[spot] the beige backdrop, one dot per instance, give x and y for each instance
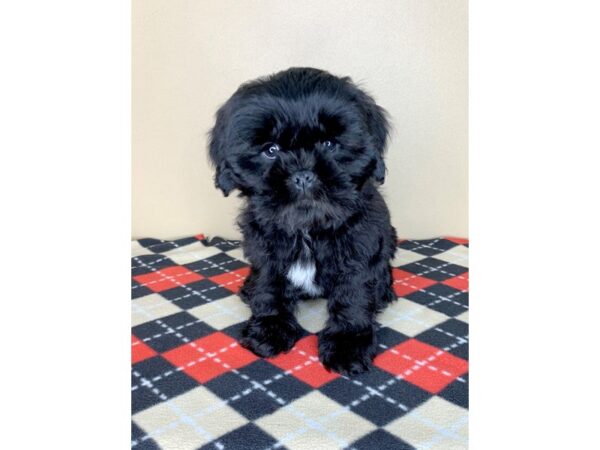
(190, 55)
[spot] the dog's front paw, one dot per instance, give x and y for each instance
(269, 336)
(347, 353)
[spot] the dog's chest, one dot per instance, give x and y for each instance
(302, 272)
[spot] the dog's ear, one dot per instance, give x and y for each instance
(379, 171)
(217, 151)
(378, 127)
(379, 130)
(224, 179)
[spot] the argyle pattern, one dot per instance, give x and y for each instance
(194, 387)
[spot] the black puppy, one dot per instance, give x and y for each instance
(305, 150)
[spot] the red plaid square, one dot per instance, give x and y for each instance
(210, 356)
(140, 351)
(303, 363)
(456, 240)
(423, 365)
(460, 282)
(232, 280)
(167, 278)
(406, 283)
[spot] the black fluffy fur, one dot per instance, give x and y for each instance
(341, 223)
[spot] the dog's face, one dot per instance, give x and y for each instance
(302, 144)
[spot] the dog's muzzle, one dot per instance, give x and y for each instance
(304, 180)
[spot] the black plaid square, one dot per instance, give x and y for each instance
(381, 439)
(216, 265)
(451, 336)
(172, 331)
(434, 269)
(247, 437)
(195, 294)
(235, 330)
(457, 392)
(427, 247)
(140, 440)
(154, 381)
(160, 246)
(259, 389)
(223, 244)
(138, 290)
(442, 298)
(375, 396)
(144, 264)
(387, 338)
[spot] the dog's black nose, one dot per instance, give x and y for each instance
(303, 179)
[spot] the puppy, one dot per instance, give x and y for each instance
(305, 150)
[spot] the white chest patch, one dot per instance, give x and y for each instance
(302, 275)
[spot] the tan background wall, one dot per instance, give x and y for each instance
(190, 55)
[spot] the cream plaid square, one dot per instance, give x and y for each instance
(151, 307)
(315, 422)
(312, 314)
(189, 420)
(437, 424)
(404, 257)
(222, 313)
(137, 249)
(238, 254)
(456, 255)
(464, 317)
(409, 318)
(191, 253)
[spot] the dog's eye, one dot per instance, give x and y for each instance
(271, 151)
(328, 144)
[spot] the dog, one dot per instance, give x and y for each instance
(305, 149)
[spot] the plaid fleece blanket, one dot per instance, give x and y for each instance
(194, 387)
